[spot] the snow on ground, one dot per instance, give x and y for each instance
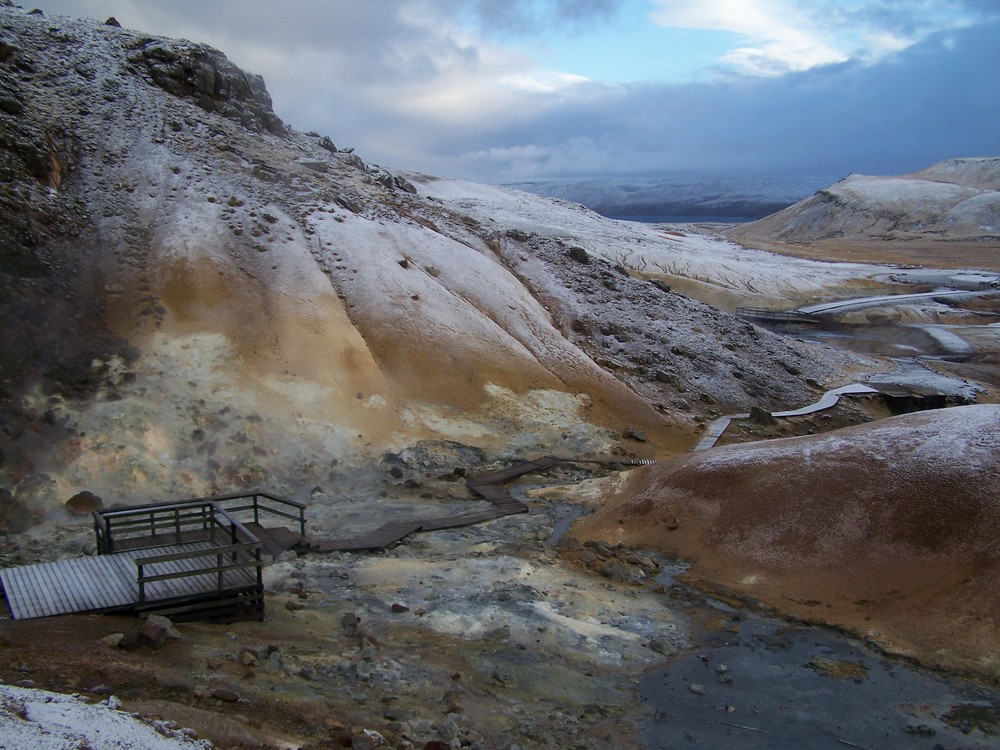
(653, 250)
(39, 720)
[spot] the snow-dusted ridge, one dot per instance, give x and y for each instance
(237, 303)
(955, 200)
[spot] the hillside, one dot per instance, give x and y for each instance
(888, 528)
(950, 212)
(198, 298)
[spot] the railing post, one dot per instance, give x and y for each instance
(256, 514)
(177, 525)
(142, 585)
(218, 562)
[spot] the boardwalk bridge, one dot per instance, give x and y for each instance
(203, 558)
(194, 559)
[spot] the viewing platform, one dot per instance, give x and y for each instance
(194, 559)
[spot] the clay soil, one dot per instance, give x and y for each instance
(862, 533)
(916, 252)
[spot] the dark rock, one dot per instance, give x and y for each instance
(435, 455)
(633, 434)
(326, 143)
(156, 630)
(226, 696)
(350, 621)
(400, 608)
(10, 105)
(207, 77)
(663, 646)
(113, 22)
(293, 605)
(14, 517)
(351, 205)
(761, 416)
(617, 571)
(403, 184)
(7, 50)
(579, 255)
(84, 503)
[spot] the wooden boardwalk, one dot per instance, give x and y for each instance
(486, 485)
(829, 399)
(105, 583)
(195, 559)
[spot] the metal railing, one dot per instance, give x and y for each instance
(160, 524)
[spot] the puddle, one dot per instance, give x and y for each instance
(755, 682)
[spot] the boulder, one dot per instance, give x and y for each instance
(156, 630)
(761, 416)
(84, 503)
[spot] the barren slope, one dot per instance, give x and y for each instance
(888, 528)
(197, 298)
(947, 215)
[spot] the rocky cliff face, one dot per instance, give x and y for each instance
(197, 298)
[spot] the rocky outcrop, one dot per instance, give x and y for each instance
(207, 77)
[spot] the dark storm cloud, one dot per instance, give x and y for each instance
(413, 86)
(938, 99)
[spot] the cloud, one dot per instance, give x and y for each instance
(451, 87)
(782, 36)
(934, 100)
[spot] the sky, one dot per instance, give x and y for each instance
(508, 90)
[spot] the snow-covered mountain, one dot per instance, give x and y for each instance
(953, 201)
(197, 298)
(679, 198)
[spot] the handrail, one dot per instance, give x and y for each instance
(102, 533)
(225, 550)
(140, 518)
(219, 569)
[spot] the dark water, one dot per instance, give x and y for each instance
(753, 682)
(684, 219)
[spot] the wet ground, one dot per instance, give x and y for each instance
(755, 682)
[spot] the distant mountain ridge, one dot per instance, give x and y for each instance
(957, 200)
(736, 197)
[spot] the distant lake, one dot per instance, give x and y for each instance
(685, 219)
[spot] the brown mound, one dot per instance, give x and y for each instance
(889, 529)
